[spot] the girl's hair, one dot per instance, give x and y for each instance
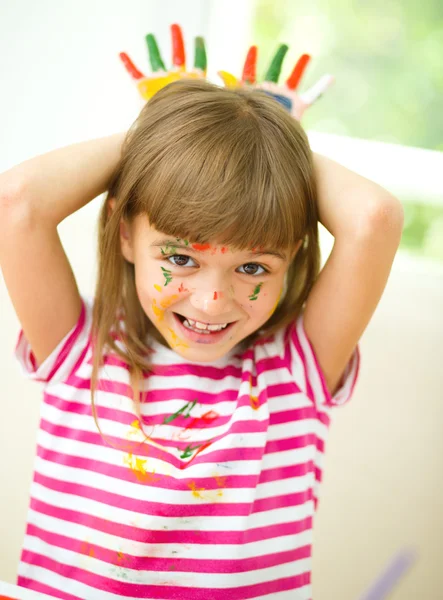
(205, 164)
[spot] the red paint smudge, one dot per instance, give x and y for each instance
(201, 247)
(223, 249)
(182, 288)
(215, 295)
(206, 418)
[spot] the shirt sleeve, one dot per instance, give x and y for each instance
(302, 362)
(65, 358)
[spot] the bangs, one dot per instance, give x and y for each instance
(231, 168)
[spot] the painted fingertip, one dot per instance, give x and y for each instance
(229, 80)
(178, 47)
(130, 67)
(317, 90)
(274, 70)
(297, 73)
(154, 54)
(250, 67)
(200, 61)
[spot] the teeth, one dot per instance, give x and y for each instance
(202, 327)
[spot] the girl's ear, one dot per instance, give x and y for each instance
(296, 249)
(111, 206)
(125, 234)
(126, 241)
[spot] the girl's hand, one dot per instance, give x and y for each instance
(150, 85)
(285, 94)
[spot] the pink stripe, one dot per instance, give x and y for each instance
(69, 342)
(326, 393)
(299, 350)
(123, 473)
(221, 455)
(301, 441)
(177, 536)
(167, 591)
(279, 473)
(36, 586)
(156, 563)
(292, 416)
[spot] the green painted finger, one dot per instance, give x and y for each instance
(275, 67)
(200, 54)
(154, 54)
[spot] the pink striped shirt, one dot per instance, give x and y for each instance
(216, 504)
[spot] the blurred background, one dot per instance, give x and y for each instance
(62, 82)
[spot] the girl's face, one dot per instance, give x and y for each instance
(184, 288)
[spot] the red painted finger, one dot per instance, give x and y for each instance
(178, 47)
(297, 73)
(130, 67)
(250, 67)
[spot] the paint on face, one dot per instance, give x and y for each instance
(165, 303)
(169, 248)
(182, 288)
(167, 274)
(256, 291)
(176, 342)
(201, 247)
(157, 287)
(276, 303)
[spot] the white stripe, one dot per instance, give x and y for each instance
(214, 551)
(197, 580)
(147, 493)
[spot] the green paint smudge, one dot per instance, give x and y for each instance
(256, 291)
(168, 275)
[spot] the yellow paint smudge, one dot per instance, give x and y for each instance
(276, 303)
(195, 490)
(176, 341)
(166, 302)
(157, 287)
(255, 403)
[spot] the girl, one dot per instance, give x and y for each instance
(186, 405)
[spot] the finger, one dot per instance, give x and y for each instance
(297, 73)
(154, 54)
(229, 80)
(317, 90)
(275, 67)
(178, 48)
(130, 67)
(200, 61)
(250, 67)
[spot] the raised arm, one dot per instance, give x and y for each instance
(35, 197)
(366, 222)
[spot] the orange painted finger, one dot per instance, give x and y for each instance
(250, 67)
(297, 73)
(178, 47)
(130, 67)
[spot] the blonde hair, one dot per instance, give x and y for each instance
(205, 163)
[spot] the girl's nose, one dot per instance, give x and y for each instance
(212, 302)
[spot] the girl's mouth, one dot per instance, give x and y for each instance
(200, 336)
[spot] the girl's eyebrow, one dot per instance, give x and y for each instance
(172, 244)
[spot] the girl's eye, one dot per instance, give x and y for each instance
(254, 266)
(182, 259)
